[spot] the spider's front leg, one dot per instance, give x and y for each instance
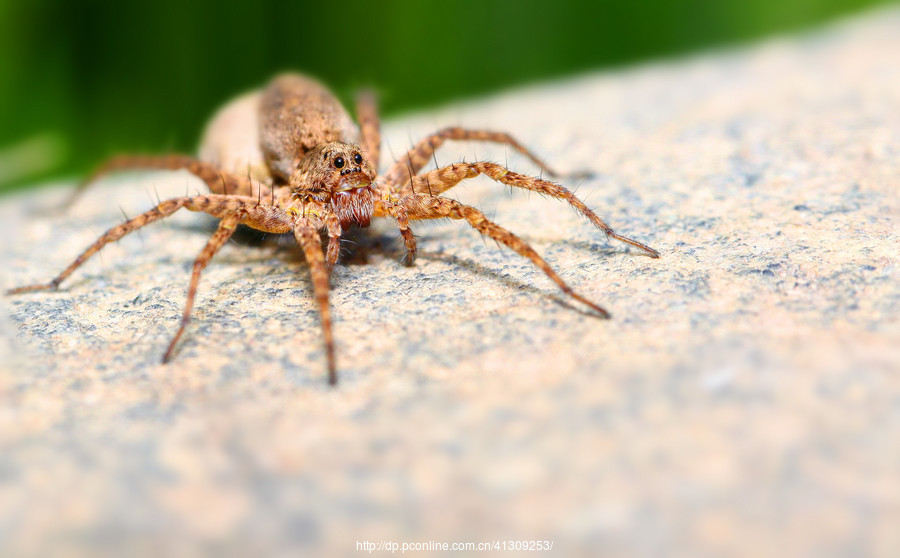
(232, 211)
(440, 180)
(225, 230)
(334, 230)
(307, 236)
(424, 206)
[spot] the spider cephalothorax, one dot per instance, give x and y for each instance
(339, 175)
(312, 170)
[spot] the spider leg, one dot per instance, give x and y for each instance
(414, 160)
(333, 226)
(442, 179)
(231, 209)
(408, 237)
(263, 217)
(367, 115)
(308, 238)
(218, 182)
(226, 228)
(424, 206)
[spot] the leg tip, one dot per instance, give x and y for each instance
(604, 315)
(167, 357)
(409, 260)
(601, 312)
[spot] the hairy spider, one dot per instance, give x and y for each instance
(310, 169)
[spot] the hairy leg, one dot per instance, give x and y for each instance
(333, 226)
(408, 237)
(263, 217)
(226, 228)
(423, 206)
(414, 160)
(218, 182)
(440, 180)
(308, 238)
(367, 115)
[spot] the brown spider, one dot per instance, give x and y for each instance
(312, 170)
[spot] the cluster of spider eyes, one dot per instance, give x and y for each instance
(339, 161)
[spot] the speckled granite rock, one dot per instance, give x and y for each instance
(743, 401)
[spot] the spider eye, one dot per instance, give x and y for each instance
(357, 159)
(338, 162)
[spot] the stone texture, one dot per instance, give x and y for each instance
(744, 400)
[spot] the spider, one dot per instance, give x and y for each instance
(310, 169)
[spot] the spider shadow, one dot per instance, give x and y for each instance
(607, 249)
(359, 244)
(393, 247)
(355, 249)
(513, 284)
(243, 236)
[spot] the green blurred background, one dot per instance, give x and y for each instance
(80, 81)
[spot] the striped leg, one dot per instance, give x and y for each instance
(418, 157)
(308, 238)
(226, 228)
(440, 180)
(333, 226)
(408, 237)
(231, 210)
(263, 217)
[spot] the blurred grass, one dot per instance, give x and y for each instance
(98, 78)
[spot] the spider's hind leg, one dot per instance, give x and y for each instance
(414, 160)
(370, 129)
(217, 181)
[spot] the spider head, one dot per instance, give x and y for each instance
(330, 168)
(338, 173)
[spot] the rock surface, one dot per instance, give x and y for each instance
(744, 400)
